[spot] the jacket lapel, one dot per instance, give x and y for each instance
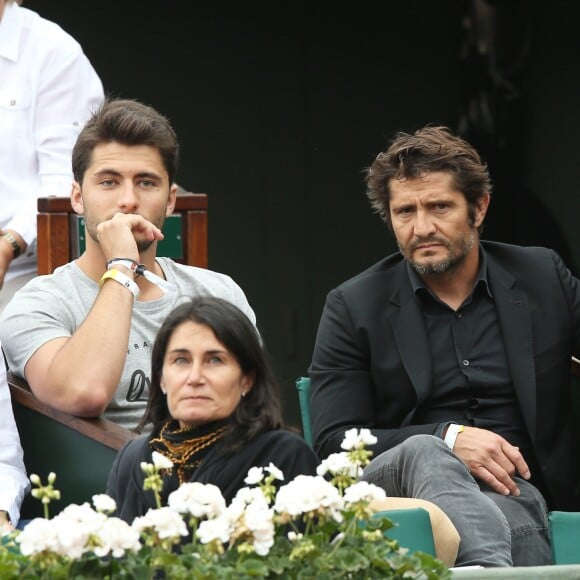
(516, 326)
(411, 337)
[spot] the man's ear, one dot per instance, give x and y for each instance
(76, 198)
(171, 200)
(481, 208)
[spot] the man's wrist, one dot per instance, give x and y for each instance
(451, 434)
(123, 279)
(15, 244)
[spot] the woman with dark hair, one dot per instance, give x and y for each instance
(213, 409)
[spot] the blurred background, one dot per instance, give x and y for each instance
(280, 106)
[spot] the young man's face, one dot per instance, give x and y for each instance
(128, 179)
(431, 222)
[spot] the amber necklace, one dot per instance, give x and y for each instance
(181, 453)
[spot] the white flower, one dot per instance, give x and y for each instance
(339, 464)
(245, 497)
(104, 503)
(354, 439)
(259, 520)
(255, 475)
(160, 461)
(116, 537)
(307, 493)
(248, 495)
(277, 473)
(37, 536)
(367, 437)
(251, 520)
(201, 500)
(75, 527)
(216, 529)
(363, 491)
(165, 522)
(71, 533)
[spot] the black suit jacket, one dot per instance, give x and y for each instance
(371, 365)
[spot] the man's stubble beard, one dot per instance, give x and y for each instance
(452, 262)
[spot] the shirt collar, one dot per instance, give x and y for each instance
(10, 31)
(481, 280)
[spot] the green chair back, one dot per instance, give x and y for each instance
(303, 387)
(412, 529)
(170, 246)
(565, 535)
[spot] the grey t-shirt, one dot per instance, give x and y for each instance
(54, 306)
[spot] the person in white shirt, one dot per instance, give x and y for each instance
(48, 88)
(14, 482)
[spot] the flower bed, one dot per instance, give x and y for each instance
(312, 527)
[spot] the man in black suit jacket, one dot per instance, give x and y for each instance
(456, 354)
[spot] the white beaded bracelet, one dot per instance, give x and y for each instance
(452, 431)
(124, 280)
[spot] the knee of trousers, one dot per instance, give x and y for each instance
(425, 446)
(419, 454)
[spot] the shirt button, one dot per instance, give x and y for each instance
(465, 363)
(459, 315)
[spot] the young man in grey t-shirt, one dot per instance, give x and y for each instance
(82, 336)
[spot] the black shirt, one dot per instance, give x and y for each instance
(472, 383)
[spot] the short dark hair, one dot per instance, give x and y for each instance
(432, 148)
(128, 122)
(260, 409)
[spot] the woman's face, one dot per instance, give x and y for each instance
(202, 380)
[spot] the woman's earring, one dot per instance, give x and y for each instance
(163, 391)
(243, 394)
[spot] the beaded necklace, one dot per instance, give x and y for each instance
(184, 451)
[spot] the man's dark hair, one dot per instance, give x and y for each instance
(127, 122)
(432, 148)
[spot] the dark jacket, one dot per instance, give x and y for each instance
(371, 365)
(286, 450)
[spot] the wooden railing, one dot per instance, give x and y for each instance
(101, 430)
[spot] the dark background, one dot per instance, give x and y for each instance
(280, 106)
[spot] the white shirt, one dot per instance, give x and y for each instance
(14, 482)
(48, 88)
